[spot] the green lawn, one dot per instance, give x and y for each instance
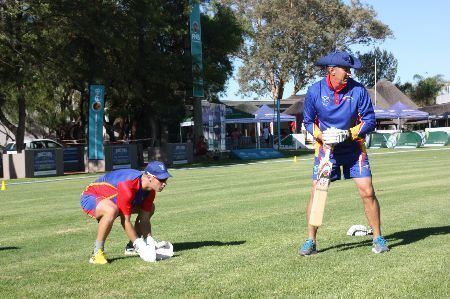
(236, 231)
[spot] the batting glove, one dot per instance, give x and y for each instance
(164, 250)
(334, 136)
(147, 253)
(150, 241)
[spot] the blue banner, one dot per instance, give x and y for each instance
(196, 50)
(96, 108)
(254, 154)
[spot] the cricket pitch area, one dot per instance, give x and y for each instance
(236, 231)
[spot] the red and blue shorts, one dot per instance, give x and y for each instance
(352, 165)
(95, 193)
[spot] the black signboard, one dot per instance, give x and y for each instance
(44, 162)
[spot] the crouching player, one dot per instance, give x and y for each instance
(122, 193)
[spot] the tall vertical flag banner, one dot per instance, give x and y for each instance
(196, 49)
(96, 110)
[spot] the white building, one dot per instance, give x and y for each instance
(444, 94)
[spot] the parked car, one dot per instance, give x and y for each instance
(32, 144)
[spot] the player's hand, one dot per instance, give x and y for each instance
(150, 241)
(147, 253)
(334, 136)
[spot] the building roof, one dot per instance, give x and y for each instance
(392, 94)
(381, 101)
(438, 110)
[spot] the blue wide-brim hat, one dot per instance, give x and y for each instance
(339, 58)
(158, 169)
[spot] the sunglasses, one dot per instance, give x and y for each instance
(159, 180)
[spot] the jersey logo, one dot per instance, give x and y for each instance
(347, 98)
(325, 100)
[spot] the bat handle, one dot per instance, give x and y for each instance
(327, 149)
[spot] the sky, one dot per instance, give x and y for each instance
(421, 42)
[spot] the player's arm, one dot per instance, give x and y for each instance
(367, 117)
(145, 214)
(145, 224)
(310, 117)
(124, 198)
(128, 227)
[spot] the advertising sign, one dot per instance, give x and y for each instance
(44, 162)
(196, 50)
(179, 154)
(96, 110)
(121, 157)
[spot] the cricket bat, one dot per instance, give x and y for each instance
(321, 190)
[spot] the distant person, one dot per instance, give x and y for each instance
(266, 135)
(340, 102)
(235, 137)
(202, 146)
(293, 126)
(122, 193)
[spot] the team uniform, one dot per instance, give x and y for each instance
(123, 187)
(347, 108)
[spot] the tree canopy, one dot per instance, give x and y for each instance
(425, 90)
(386, 66)
(52, 50)
(285, 38)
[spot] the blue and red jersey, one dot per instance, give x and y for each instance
(348, 108)
(124, 188)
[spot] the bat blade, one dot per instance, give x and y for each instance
(321, 192)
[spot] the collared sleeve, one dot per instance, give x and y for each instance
(367, 122)
(310, 115)
(126, 193)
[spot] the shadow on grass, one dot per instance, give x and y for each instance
(112, 260)
(177, 247)
(193, 245)
(210, 162)
(397, 239)
(9, 248)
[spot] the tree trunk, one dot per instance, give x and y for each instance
(81, 132)
(20, 132)
(154, 132)
(198, 119)
(164, 135)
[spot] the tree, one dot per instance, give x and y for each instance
(50, 51)
(20, 63)
(406, 87)
(285, 38)
(425, 90)
(386, 66)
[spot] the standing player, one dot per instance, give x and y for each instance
(340, 102)
(122, 193)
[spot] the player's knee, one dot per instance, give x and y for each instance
(109, 212)
(367, 194)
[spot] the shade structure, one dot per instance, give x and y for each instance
(267, 114)
(236, 116)
(406, 112)
(380, 113)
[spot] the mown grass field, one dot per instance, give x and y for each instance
(236, 231)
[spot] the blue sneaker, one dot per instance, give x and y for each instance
(379, 245)
(308, 248)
